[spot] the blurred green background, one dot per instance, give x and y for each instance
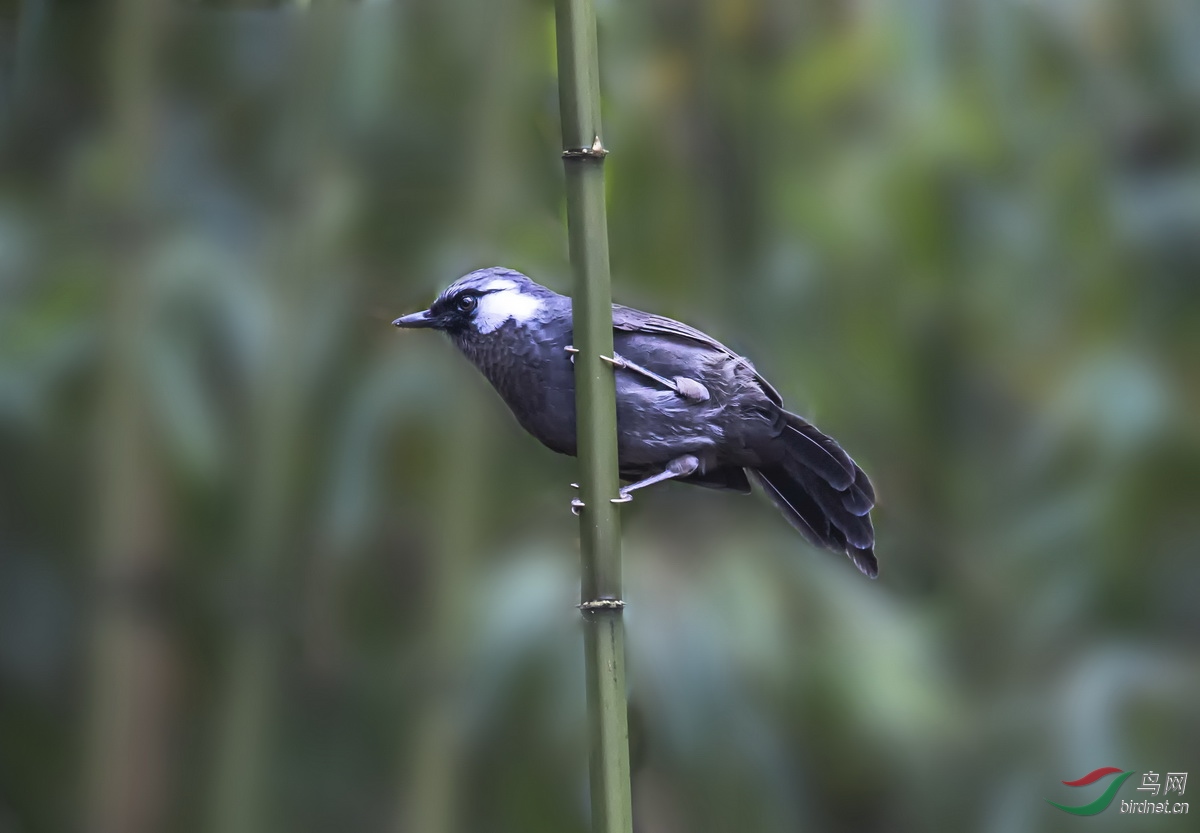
(267, 564)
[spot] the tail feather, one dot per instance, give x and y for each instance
(822, 493)
(820, 453)
(800, 509)
(860, 497)
(857, 528)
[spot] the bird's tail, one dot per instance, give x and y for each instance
(822, 492)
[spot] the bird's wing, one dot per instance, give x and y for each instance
(633, 320)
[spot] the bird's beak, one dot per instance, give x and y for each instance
(416, 321)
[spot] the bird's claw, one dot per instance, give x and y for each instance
(615, 361)
(571, 351)
(577, 505)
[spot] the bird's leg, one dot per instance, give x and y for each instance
(682, 386)
(679, 467)
(621, 363)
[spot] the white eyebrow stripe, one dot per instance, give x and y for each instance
(500, 306)
(499, 285)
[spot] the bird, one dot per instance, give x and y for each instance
(688, 407)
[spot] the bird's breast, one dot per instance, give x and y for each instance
(533, 374)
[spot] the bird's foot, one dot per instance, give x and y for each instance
(615, 361)
(577, 505)
(571, 351)
(679, 467)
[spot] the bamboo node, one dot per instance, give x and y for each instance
(596, 151)
(601, 604)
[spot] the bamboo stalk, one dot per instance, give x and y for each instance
(240, 799)
(127, 756)
(432, 795)
(596, 421)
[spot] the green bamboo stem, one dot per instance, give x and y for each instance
(596, 425)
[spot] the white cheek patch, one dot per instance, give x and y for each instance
(508, 304)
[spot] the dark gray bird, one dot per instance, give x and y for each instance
(688, 407)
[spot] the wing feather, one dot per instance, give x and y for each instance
(630, 320)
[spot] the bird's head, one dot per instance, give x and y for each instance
(481, 303)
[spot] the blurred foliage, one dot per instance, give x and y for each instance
(266, 564)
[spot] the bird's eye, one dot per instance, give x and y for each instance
(467, 303)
